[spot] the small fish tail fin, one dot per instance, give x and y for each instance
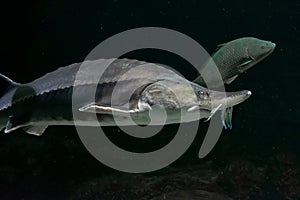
(6, 84)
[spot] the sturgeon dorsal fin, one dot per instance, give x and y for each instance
(35, 130)
(23, 92)
(13, 124)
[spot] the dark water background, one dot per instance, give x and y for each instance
(257, 159)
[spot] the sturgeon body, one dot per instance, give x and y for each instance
(234, 58)
(126, 90)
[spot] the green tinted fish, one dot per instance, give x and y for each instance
(235, 57)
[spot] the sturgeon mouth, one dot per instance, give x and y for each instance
(224, 101)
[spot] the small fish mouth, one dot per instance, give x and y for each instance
(268, 51)
(270, 48)
(273, 45)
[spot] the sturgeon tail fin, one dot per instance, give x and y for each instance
(6, 84)
(12, 92)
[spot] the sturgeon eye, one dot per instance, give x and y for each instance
(263, 46)
(203, 95)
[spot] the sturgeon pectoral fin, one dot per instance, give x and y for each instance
(226, 117)
(9, 129)
(35, 130)
(13, 124)
(94, 108)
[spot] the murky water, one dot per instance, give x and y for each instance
(257, 159)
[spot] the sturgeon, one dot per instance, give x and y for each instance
(128, 89)
(235, 57)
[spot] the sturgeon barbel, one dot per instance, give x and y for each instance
(235, 57)
(127, 88)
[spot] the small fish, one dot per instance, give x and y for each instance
(235, 57)
(128, 89)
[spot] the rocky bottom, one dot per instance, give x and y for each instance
(239, 179)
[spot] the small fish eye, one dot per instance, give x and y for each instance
(263, 46)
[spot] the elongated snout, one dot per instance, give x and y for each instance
(224, 99)
(228, 99)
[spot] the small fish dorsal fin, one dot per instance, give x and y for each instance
(218, 48)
